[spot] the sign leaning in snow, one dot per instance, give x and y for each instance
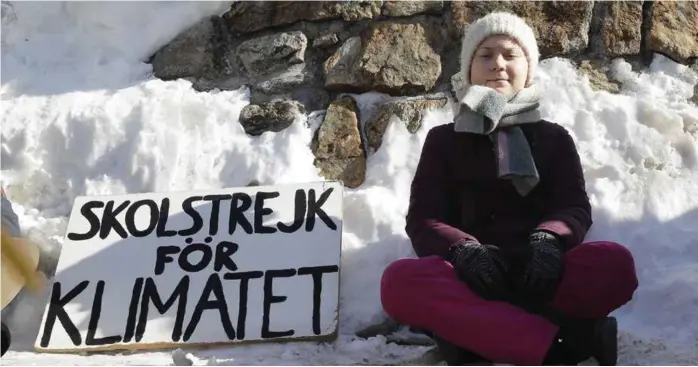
(227, 266)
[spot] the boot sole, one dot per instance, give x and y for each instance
(608, 353)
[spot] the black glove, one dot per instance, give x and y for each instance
(481, 267)
(544, 270)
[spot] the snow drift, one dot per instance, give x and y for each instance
(82, 115)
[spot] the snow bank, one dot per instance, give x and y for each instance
(639, 154)
(83, 116)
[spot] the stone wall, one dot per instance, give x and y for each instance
(300, 56)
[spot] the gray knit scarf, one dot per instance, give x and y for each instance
(485, 111)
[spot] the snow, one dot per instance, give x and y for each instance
(82, 115)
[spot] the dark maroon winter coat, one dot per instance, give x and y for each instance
(456, 194)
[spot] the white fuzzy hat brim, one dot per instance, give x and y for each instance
(499, 23)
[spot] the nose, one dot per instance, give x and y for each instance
(498, 63)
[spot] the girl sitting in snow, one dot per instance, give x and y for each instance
(497, 217)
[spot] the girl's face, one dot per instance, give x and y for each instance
(500, 63)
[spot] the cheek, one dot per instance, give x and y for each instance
(519, 71)
(477, 72)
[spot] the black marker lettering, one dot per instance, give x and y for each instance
(244, 286)
(195, 216)
(240, 203)
(317, 272)
(131, 218)
(56, 310)
(150, 293)
(299, 209)
(109, 220)
(224, 250)
(187, 265)
(315, 207)
(86, 211)
(213, 285)
(133, 310)
(260, 211)
(162, 257)
(94, 320)
(215, 209)
(162, 220)
(270, 298)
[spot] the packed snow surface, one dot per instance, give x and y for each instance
(82, 115)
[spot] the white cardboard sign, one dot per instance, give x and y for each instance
(161, 269)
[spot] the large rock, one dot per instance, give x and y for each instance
(621, 28)
(388, 57)
(674, 29)
(409, 111)
(190, 54)
(340, 69)
(271, 116)
(408, 8)
(285, 80)
(326, 40)
(338, 150)
(598, 76)
(266, 54)
(288, 71)
(561, 27)
(251, 16)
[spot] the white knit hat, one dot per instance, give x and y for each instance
(499, 23)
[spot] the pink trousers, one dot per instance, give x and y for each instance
(426, 293)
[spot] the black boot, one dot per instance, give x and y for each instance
(5, 339)
(454, 355)
(578, 340)
(605, 349)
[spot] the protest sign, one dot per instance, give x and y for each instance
(157, 270)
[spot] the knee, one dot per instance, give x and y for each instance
(619, 265)
(621, 259)
(398, 269)
(393, 280)
(400, 281)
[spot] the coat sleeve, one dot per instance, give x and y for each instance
(427, 213)
(568, 212)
